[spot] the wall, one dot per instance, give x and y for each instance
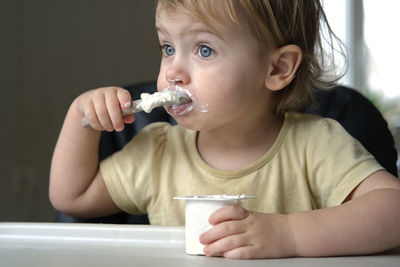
(51, 51)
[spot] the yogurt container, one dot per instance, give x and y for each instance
(197, 211)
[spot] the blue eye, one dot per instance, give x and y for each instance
(168, 50)
(205, 51)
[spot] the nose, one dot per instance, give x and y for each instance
(177, 72)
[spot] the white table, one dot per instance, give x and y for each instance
(59, 244)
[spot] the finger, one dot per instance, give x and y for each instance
(124, 98)
(129, 118)
(222, 230)
(100, 106)
(222, 246)
(227, 213)
(244, 252)
(114, 110)
(90, 114)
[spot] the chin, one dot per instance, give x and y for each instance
(187, 122)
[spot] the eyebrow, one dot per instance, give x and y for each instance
(195, 29)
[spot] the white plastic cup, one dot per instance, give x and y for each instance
(197, 212)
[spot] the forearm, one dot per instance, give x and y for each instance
(367, 224)
(75, 160)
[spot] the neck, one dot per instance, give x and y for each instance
(239, 145)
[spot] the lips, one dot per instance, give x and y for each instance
(180, 109)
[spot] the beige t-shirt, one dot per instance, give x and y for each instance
(314, 163)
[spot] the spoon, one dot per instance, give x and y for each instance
(150, 101)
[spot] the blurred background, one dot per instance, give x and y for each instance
(53, 50)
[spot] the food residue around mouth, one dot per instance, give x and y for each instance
(178, 109)
(150, 101)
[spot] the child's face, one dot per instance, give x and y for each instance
(221, 69)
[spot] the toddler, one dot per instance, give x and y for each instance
(248, 66)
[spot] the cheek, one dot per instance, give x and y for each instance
(219, 98)
(235, 83)
(235, 90)
(161, 80)
(219, 85)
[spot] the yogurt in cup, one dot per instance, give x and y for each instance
(197, 211)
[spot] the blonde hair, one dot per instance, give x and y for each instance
(276, 23)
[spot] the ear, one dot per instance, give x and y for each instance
(283, 66)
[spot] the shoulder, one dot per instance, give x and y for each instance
(160, 133)
(155, 127)
(316, 135)
(163, 128)
(155, 130)
(154, 142)
(312, 124)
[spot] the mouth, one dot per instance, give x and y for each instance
(182, 108)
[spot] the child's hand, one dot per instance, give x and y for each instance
(102, 108)
(238, 233)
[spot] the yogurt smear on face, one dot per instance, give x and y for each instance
(179, 109)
